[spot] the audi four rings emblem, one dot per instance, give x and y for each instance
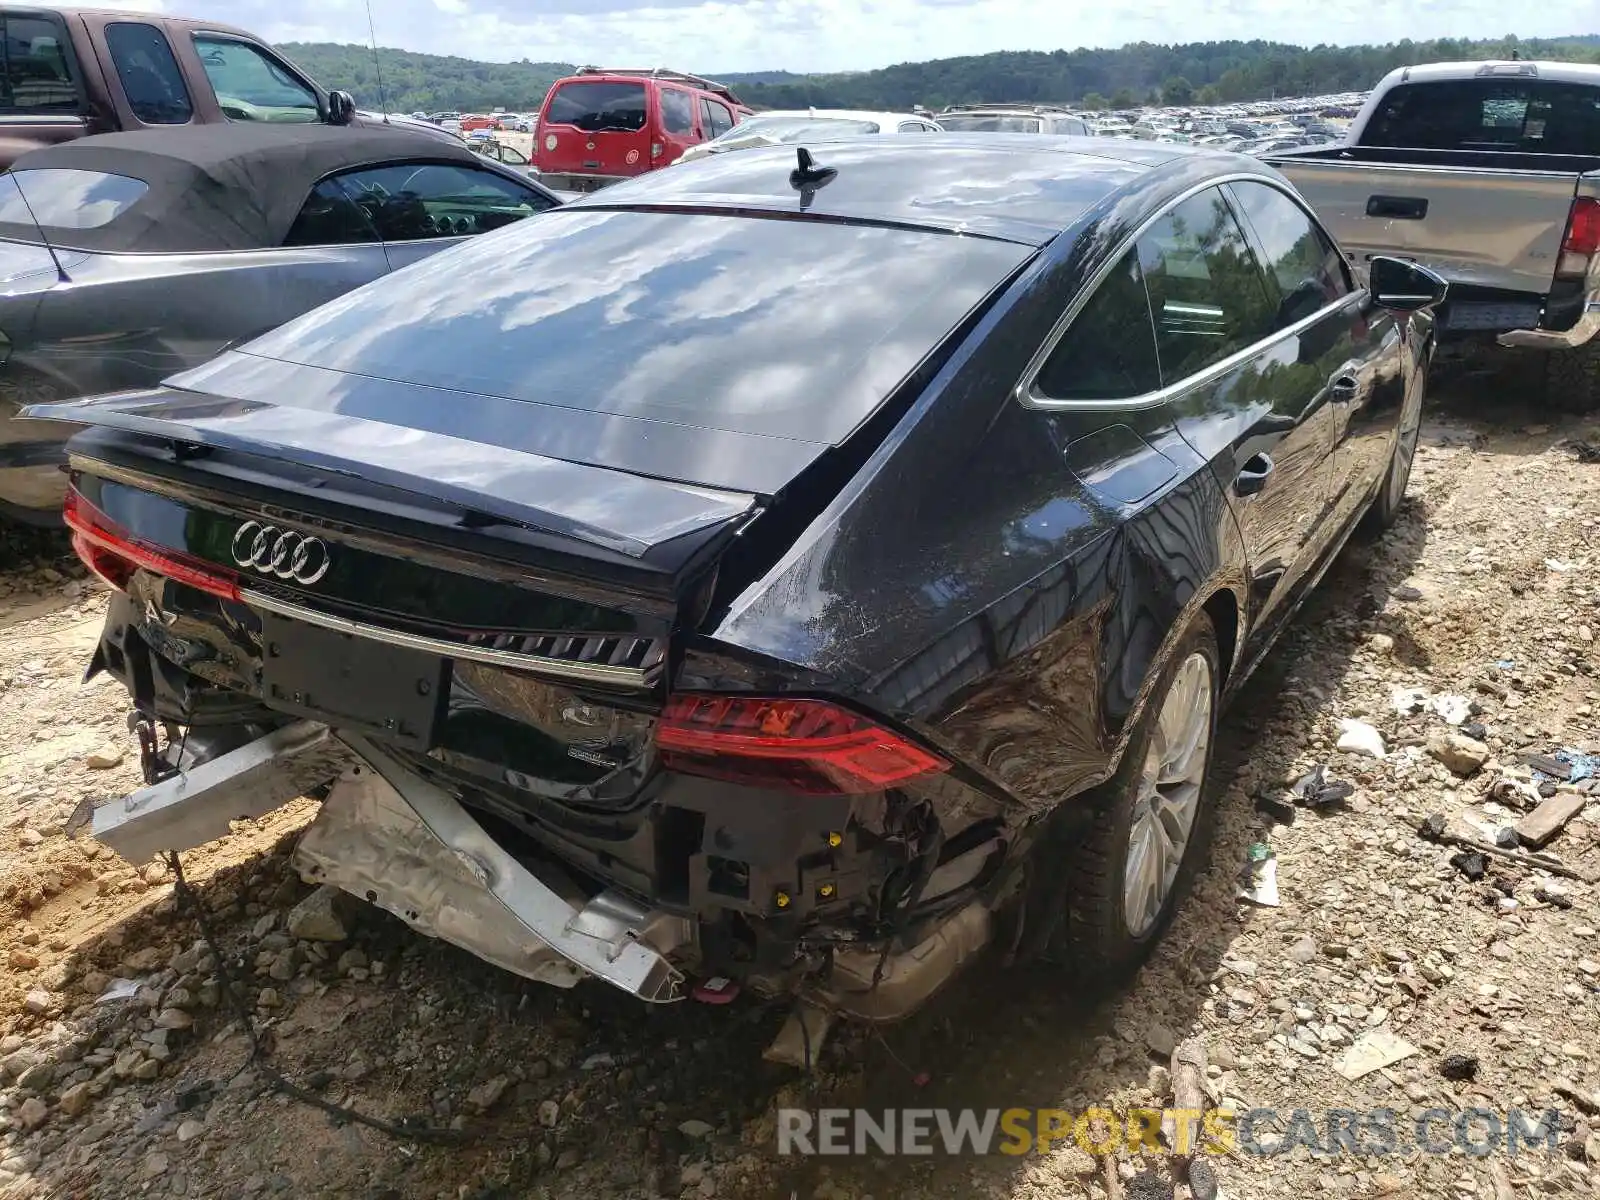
(280, 552)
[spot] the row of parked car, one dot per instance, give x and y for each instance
(795, 571)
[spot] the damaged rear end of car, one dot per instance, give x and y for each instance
(446, 554)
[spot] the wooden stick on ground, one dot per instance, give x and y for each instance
(1188, 1095)
(1542, 861)
(1113, 1181)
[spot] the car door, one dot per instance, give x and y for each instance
(1352, 349)
(419, 208)
(1243, 397)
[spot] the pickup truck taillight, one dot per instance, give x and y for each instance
(807, 746)
(1582, 239)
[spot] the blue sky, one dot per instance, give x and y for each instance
(842, 35)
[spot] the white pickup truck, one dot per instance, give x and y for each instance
(1488, 172)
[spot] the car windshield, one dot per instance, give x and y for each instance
(598, 106)
(991, 124)
(794, 129)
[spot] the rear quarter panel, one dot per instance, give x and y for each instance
(1007, 579)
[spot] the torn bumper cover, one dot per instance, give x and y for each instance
(399, 842)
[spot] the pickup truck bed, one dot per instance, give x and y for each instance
(1489, 173)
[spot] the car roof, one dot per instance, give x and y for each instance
(1500, 69)
(836, 114)
(1019, 187)
(221, 187)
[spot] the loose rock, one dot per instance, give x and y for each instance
(317, 918)
(1459, 753)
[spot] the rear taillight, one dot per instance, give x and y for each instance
(114, 554)
(1582, 239)
(806, 746)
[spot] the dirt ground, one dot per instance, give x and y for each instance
(1485, 590)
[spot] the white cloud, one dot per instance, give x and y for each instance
(824, 35)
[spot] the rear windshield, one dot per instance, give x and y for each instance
(991, 124)
(70, 199)
(596, 107)
(790, 329)
(1535, 115)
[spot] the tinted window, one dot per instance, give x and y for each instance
(150, 77)
(1208, 296)
(794, 329)
(1299, 258)
(718, 120)
(677, 110)
(67, 199)
(598, 106)
(432, 200)
(330, 218)
(35, 75)
(251, 85)
(1109, 351)
(1488, 114)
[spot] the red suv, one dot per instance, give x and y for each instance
(602, 125)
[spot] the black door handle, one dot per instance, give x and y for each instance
(1345, 388)
(1254, 476)
(1403, 208)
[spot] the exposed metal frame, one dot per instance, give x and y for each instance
(1027, 393)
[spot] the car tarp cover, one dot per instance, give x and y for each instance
(216, 187)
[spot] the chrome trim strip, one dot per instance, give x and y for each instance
(1029, 397)
(601, 673)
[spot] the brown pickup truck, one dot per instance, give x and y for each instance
(69, 72)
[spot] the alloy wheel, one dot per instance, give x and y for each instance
(1168, 797)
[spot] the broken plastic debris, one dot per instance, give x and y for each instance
(1357, 737)
(1452, 708)
(119, 989)
(1449, 707)
(1470, 863)
(1582, 766)
(1371, 1051)
(1315, 790)
(1556, 564)
(1258, 882)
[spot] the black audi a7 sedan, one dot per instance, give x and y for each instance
(791, 571)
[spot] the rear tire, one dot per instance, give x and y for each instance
(1572, 379)
(1116, 911)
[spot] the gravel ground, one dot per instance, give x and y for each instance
(1485, 590)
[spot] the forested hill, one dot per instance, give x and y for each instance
(1200, 72)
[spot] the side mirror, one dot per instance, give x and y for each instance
(1404, 286)
(341, 108)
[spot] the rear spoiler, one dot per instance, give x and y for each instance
(627, 514)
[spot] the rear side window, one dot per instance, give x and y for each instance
(1525, 114)
(149, 74)
(330, 217)
(71, 199)
(1109, 351)
(718, 120)
(34, 76)
(1207, 295)
(412, 201)
(677, 110)
(253, 86)
(598, 106)
(1309, 272)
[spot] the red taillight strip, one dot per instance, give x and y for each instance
(798, 745)
(1583, 227)
(96, 535)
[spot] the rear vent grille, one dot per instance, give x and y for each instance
(640, 654)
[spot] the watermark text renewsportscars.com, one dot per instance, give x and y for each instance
(1477, 1132)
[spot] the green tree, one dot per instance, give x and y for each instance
(1095, 102)
(1177, 90)
(1123, 98)
(1208, 95)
